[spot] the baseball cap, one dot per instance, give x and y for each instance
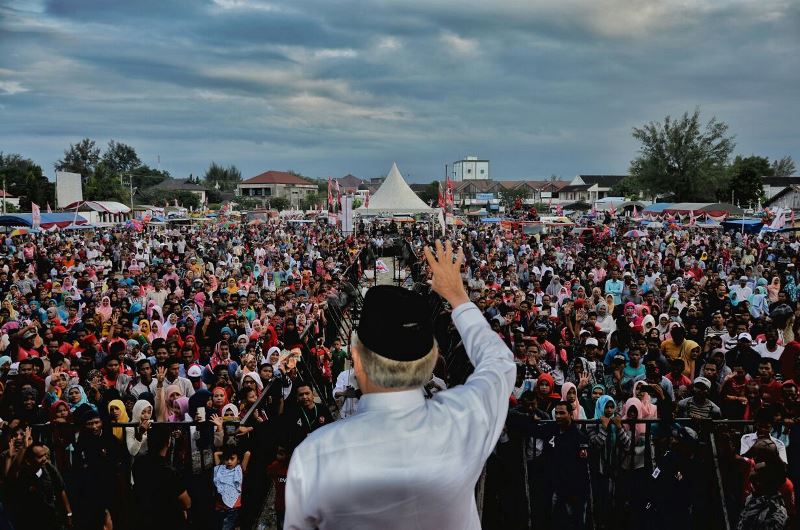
(744, 336)
(194, 371)
(703, 381)
(742, 278)
(619, 357)
(591, 341)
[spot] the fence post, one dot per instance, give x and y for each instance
(715, 456)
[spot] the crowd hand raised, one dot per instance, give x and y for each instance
(445, 266)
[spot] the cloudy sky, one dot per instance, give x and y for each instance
(329, 87)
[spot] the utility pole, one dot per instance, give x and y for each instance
(4, 195)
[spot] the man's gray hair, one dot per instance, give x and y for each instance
(388, 373)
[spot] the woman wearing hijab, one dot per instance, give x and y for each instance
(773, 289)
(104, 309)
(604, 318)
(569, 393)
(136, 437)
(636, 461)
(649, 410)
(76, 397)
(605, 441)
(690, 353)
(118, 414)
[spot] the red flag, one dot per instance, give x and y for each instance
(441, 201)
(36, 216)
(449, 199)
(366, 200)
(330, 193)
(338, 196)
(48, 208)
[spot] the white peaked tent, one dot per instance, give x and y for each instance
(395, 196)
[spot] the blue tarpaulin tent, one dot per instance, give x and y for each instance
(749, 226)
(48, 219)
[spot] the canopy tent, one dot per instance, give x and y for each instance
(721, 208)
(749, 226)
(395, 195)
(49, 220)
(657, 207)
(714, 209)
(111, 207)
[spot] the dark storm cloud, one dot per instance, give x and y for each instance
(327, 88)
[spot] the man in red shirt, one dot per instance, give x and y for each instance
(771, 390)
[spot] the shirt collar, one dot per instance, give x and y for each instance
(386, 401)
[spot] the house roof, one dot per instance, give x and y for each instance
(603, 181)
(178, 185)
(350, 181)
(279, 177)
(6, 195)
(780, 181)
(575, 187)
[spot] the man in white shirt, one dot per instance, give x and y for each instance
(347, 391)
(742, 291)
(403, 461)
(769, 348)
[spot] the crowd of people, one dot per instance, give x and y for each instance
(164, 377)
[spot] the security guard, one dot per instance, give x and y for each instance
(403, 461)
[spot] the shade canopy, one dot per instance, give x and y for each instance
(395, 195)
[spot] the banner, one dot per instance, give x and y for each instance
(36, 216)
(347, 215)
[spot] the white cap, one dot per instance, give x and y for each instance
(591, 341)
(194, 371)
(743, 336)
(703, 381)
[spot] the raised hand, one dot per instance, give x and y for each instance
(445, 266)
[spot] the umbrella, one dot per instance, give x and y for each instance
(19, 232)
(636, 233)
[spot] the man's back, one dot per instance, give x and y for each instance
(403, 461)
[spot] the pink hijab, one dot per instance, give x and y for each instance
(640, 427)
(576, 409)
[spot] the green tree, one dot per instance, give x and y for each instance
(144, 176)
(357, 203)
(628, 187)
(310, 201)
(682, 157)
(745, 180)
(23, 178)
(227, 177)
(509, 196)
(105, 185)
(120, 158)
(279, 203)
(784, 167)
(82, 158)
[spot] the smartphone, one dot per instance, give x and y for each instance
(201, 414)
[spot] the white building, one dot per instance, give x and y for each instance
(471, 168)
(9, 199)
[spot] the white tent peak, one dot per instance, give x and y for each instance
(395, 195)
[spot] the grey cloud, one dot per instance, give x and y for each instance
(538, 87)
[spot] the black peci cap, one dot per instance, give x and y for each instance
(395, 323)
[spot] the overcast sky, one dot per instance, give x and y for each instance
(330, 87)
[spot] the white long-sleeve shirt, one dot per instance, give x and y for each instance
(403, 461)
